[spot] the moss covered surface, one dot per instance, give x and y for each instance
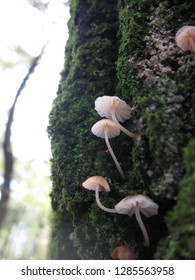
(124, 48)
(180, 243)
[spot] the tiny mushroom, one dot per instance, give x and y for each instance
(185, 38)
(122, 253)
(107, 129)
(134, 204)
(72, 236)
(112, 107)
(97, 184)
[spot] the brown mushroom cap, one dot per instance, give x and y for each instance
(122, 253)
(146, 205)
(104, 105)
(185, 38)
(99, 128)
(95, 182)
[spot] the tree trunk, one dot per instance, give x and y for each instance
(126, 48)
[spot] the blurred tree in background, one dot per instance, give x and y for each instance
(25, 217)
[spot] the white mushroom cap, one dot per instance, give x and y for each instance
(185, 38)
(116, 109)
(72, 236)
(133, 204)
(94, 182)
(104, 105)
(108, 129)
(99, 128)
(146, 205)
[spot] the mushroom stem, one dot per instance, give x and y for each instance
(141, 224)
(130, 134)
(109, 210)
(113, 155)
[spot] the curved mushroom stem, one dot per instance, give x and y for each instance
(192, 43)
(141, 224)
(100, 204)
(113, 155)
(130, 134)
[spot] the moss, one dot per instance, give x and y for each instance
(180, 243)
(90, 72)
(124, 48)
(61, 246)
(167, 114)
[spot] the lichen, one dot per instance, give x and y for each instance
(164, 58)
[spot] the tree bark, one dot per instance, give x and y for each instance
(125, 48)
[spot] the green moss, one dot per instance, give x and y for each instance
(167, 114)
(180, 243)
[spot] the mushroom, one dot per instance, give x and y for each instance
(185, 38)
(72, 236)
(112, 107)
(107, 129)
(122, 253)
(134, 204)
(97, 184)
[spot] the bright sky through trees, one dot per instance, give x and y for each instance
(24, 26)
(24, 31)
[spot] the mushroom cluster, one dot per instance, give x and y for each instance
(115, 110)
(132, 204)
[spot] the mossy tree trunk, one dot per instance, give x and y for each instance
(125, 48)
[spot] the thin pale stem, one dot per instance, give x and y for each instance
(109, 210)
(141, 224)
(130, 134)
(113, 156)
